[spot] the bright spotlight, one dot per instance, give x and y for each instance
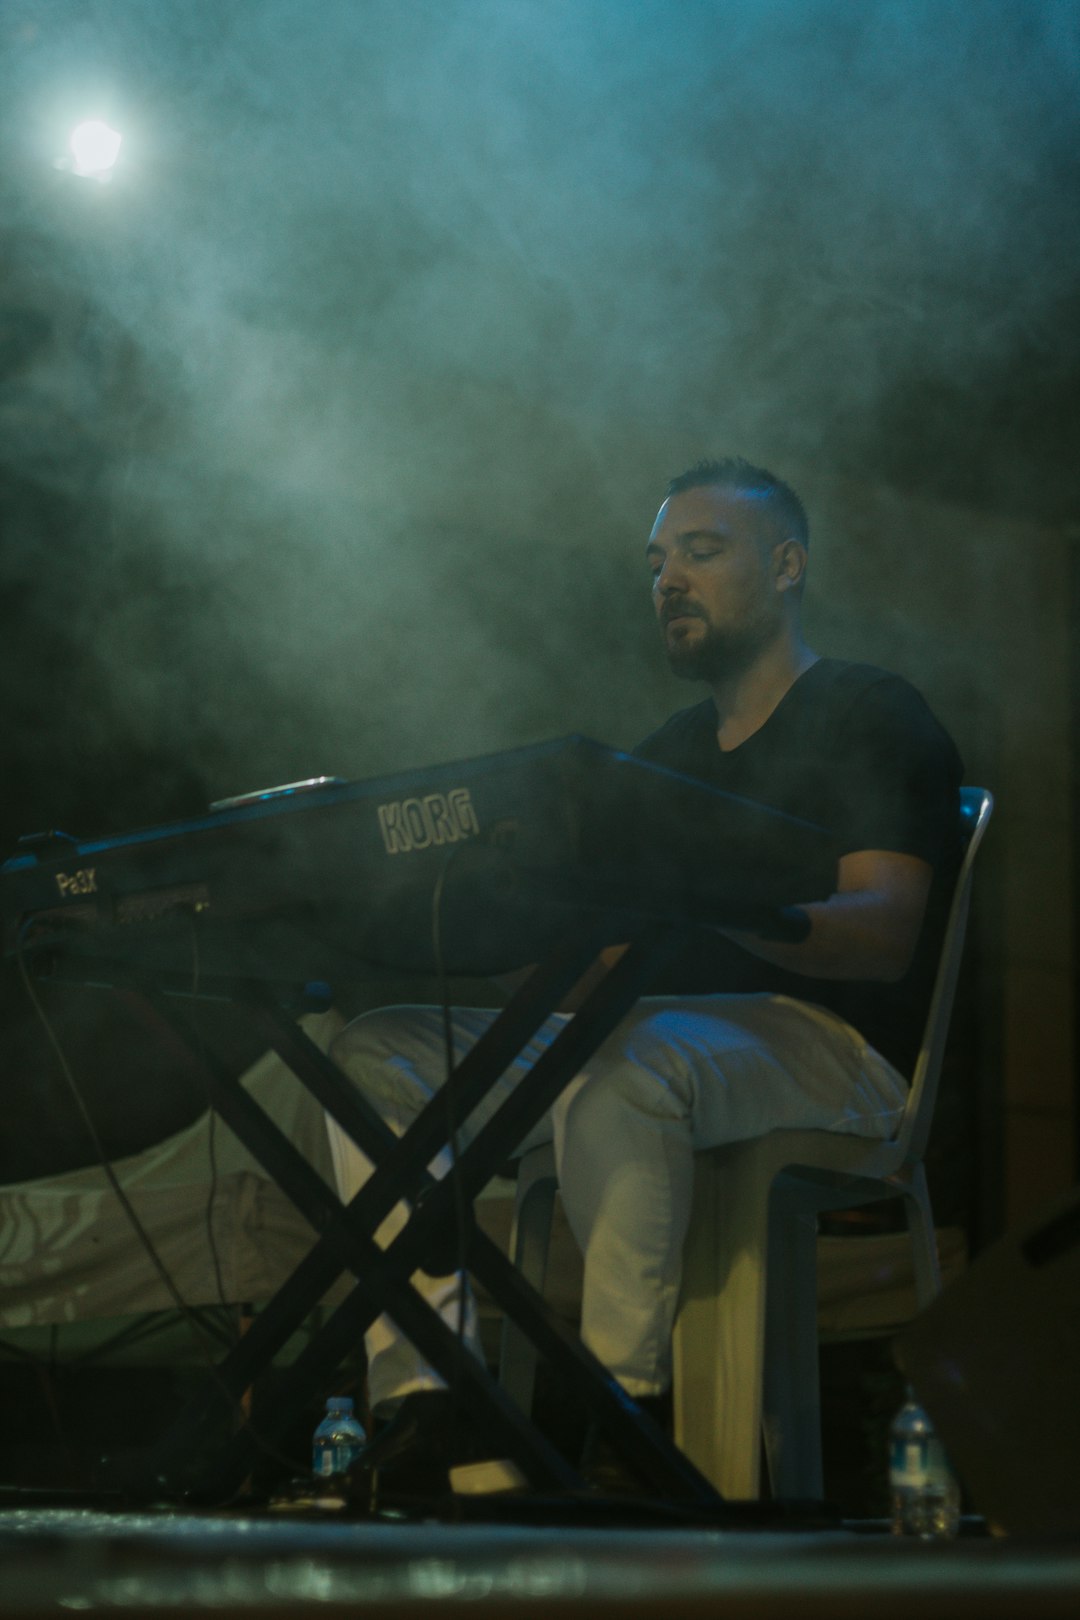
(94, 146)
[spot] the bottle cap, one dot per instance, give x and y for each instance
(340, 1403)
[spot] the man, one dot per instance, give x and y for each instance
(744, 1035)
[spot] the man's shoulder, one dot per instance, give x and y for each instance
(882, 720)
(854, 691)
(683, 730)
(848, 681)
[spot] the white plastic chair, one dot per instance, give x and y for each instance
(745, 1350)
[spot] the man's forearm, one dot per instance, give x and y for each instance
(852, 936)
(868, 929)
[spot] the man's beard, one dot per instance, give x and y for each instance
(718, 655)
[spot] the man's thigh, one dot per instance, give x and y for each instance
(733, 1066)
(741, 1065)
(398, 1057)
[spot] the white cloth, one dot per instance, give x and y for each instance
(68, 1252)
(676, 1075)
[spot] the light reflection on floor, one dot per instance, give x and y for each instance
(79, 1560)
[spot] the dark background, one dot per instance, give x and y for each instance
(331, 427)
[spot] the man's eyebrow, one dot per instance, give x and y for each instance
(689, 535)
(687, 538)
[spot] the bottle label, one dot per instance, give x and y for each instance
(916, 1464)
(335, 1457)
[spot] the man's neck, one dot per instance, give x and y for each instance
(744, 703)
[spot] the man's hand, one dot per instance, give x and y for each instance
(867, 930)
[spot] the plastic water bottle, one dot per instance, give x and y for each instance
(925, 1495)
(338, 1439)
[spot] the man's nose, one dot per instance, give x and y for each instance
(672, 577)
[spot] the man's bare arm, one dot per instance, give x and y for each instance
(867, 930)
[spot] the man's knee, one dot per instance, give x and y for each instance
(617, 1086)
(652, 1057)
(392, 1057)
(373, 1037)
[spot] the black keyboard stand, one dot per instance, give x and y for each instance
(191, 1461)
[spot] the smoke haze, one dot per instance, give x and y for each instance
(331, 429)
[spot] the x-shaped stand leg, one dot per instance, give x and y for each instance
(382, 1276)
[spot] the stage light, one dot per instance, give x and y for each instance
(94, 146)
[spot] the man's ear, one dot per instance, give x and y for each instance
(790, 564)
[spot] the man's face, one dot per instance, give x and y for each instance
(713, 553)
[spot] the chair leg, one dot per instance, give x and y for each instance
(720, 1324)
(530, 1240)
(924, 1255)
(791, 1417)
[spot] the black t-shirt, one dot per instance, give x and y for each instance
(857, 751)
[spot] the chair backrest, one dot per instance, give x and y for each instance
(976, 807)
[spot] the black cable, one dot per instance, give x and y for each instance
(211, 1199)
(199, 1336)
(461, 1232)
(450, 1067)
(98, 1145)
(211, 1132)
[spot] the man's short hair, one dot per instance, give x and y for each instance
(742, 477)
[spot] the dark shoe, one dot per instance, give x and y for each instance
(411, 1458)
(602, 1464)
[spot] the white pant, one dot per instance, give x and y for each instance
(675, 1076)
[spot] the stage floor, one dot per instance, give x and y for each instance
(163, 1563)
